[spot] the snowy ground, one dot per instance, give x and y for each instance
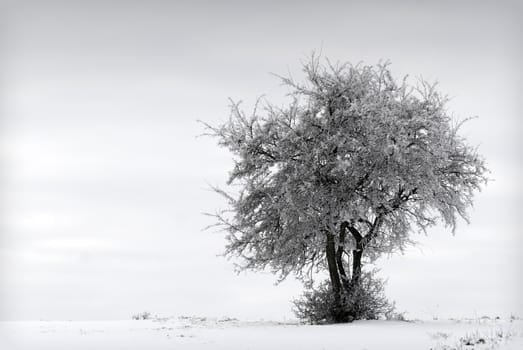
(202, 333)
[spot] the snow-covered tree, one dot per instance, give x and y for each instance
(347, 171)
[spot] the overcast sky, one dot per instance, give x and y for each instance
(104, 178)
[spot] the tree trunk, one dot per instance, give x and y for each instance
(356, 256)
(335, 279)
(331, 262)
(356, 264)
(361, 244)
(339, 257)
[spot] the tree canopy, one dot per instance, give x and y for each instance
(355, 163)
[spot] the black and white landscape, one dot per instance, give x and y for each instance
(108, 170)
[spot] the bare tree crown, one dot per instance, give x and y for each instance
(357, 159)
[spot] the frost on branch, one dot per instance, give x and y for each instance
(345, 173)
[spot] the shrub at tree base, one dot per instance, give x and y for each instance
(363, 301)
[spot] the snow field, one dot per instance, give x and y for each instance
(231, 334)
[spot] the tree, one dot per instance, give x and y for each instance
(345, 173)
